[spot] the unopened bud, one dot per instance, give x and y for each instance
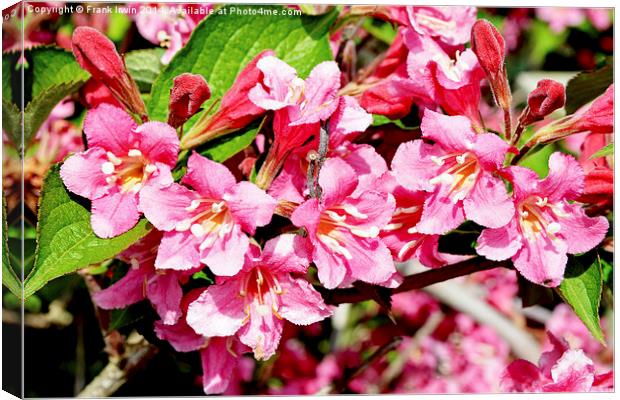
(548, 96)
(97, 55)
(188, 93)
(489, 46)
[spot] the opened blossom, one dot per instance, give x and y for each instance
(546, 224)
(209, 223)
(450, 25)
(143, 280)
(458, 171)
(122, 159)
(343, 228)
(254, 303)
(561, 369)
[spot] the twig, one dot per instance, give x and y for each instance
(56, 316)
(415, 281)
(507, 123)
(316, 160)
(137, 354)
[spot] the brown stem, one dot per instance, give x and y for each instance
(413, 282)
(507, 123)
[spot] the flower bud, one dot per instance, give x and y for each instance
(488, 45)
(188, 93)
(548, 96)
(97, 55)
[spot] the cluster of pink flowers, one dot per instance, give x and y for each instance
(355, 217)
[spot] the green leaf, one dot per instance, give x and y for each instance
(586, 86)
(66, 241)
(542, 41)
(381, 30)
(41, 106)
(9, 277)
(604, 152)
(8, 72)
(221, 149)
(223, 44)
(144, 66)
(118, 26)
(11, 121)
(53, 66)
(581, 289)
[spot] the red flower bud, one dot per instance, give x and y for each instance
(97, 55)
(548, 96)
(488, 45)
(188, 93)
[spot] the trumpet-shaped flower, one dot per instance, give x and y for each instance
(343, 228)
(450, 25)
(458, 172)
(544, 226)
(122, 159)
(254, 303)
(206, 224)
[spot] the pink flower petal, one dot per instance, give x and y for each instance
(565, 180)
(207, 177)
(440, 214)
(413, 167)
(225, 257)
(181, 336)
(263, 331)
(286, 253)
(218, 311)
(490, 150)
(331, 269)
(574, 372)
(337, 180)
(82, 175)
(158, 142)
(500, 243)
(166, 207)
(127, 290)
(178, 251)
(488, 203)
(582, 233)
(301, 303)
(320, 94)
(277, 77)
(521, 376)
(452, 132)
(110, 128)
(165, 292)
(114, 214)
(218, 366)
(542, 261)
(307, 215)
(250, 206)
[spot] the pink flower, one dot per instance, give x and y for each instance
(206, 225)
(559, 370)
(122, 159)
(253, 304)
(220, 356)
(306, 102)
(142, 281)
(450, 25)
(401, 235)
(544, 225)
(343, 228)
(458, 172)
(566, 324)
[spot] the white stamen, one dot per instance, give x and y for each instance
(208, 242)
(406, 210)
(335, 216)
(111, 179)
(352, 210)
(135, 264)
(443, 178)
(225, 229)
(197, 230)
(150, 168)
(412, 230)
(184, 225)
(217, 207)
(107, 168)
(553, 227)
(193, 205)
(469, 145)
(541, 202)
(437, 160)
(393, 227)
(115, 160)
(335, 246)
(134, 153)
(461, 159)
(525, 214)
(263, 310)
(371, 232)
